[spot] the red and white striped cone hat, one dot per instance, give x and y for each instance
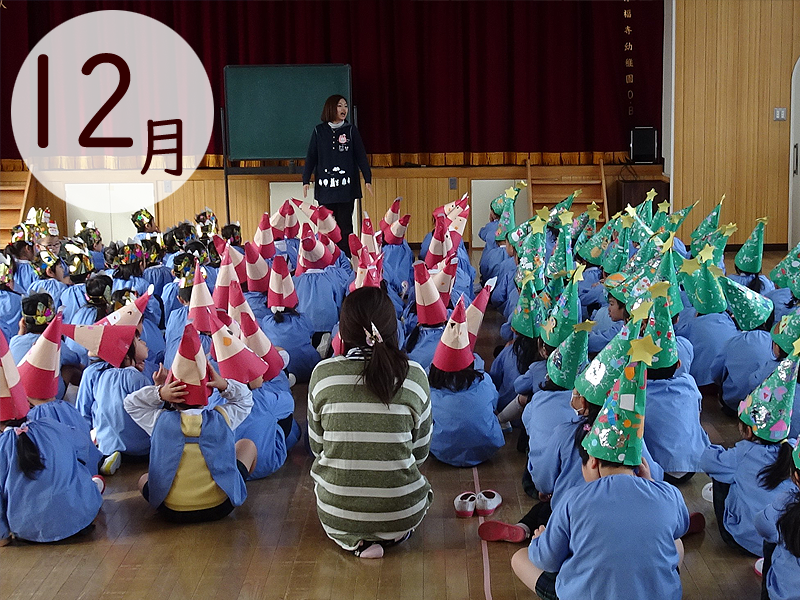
(313, 254)
(368, 238)
(430, 310)
(392, 215)
(257, 270)
(281, 294)
(201, 304)
(304, 205)
(454, 352)
(331, 246)
(130, 314)
(337, 345)
(364, 260)
(237, 303)
(374, 274)
(13, 399)
(395, 233)
(441, 243)
(109, 342)
(323, 218)
(264, 238)
(445, 277)
(284, 223)
(225, 275)
(258, 342)
(41, 366)
(190, 368)
(237, 259)
(477, 310)
(235, 360)
(458, 222)
(355, 244)
(219, 243)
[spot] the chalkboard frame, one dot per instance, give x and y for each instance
(302, 88)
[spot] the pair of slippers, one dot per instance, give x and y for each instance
(483, 503)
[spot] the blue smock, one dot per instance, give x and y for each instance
(66, 414)
(783, 577)
(504, 373)
(319, 297)
(294, 336)
(72, 299)
(53, 287)
(10, 313)
(708, 335)
(159, 276)
(747, 360)
(24, 275)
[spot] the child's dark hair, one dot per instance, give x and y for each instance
(789, 521)
(662, 373)
(768, 323)
(29, 307)
(548, 385)
(413, 337)
(127, 272)
(173, 240)
(585, 455)
(527, 352)
(185, 294)
(281, 314)
(28, 457)
(584, 426)
(15, 248)
(232, 232)
(455, 381)
(755, 282)
(771, 476)
(96, 288)
(110, 254)
(385, 365)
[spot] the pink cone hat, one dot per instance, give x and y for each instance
(13, 399)
(235, 360)
(130, 314)
(430, 309)
(40, 367)
(374, 274)
(477, 310)
(201, 304)
(355, 244)
(257, 270)
(304, 205)
(445, 277)
(364, 260)
(441, 244)
(395, 233)
(190, 367)
(368, 235)
(225, 275)
(109, 342)
(392, 215)
(258, 342)
(237, 259)
(458, 224)
(313, 254)
(331, 246)
(237, 303)
(323, 218)
(264, 238)
(454, 352)
(281, 293)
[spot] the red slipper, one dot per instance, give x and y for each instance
(497, 531)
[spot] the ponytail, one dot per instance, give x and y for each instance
(773, 475)
(30, 461)
(526, 351)
(756, 284)
(789, 523)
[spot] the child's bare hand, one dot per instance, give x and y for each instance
(215, 380)
(174, 392)
(160, 376)
(643, 470)
(539, 531)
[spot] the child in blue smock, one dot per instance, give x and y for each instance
(79, 267)
(463, 400)
(779, 526)
(155, 272)
(53, 277)
(319, 297)
(755, 472)
(708, 334)
(784, 300)
(22, 252)
(10, 300)
(493, 254)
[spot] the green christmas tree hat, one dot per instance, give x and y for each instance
(703, 287)
(578, 225)
(668, 272)
(565, 361)
(562, 260)
(596, 380)
(529, 312)
(718, 239)
(592, 250)
(786, 332)
(677, 218)
(561, 207)
(748, 258)
(768, 408)
(498, 203)
(589, 229)
(507, 220)
(708, 225)
(660, 220)
(750, 309)
(531, 255)
(616, 254)
(659, 326)
(618, 432)
(564, 314)
(787, 269)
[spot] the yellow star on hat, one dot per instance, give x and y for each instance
(577, 274)
(796, 346)
(689, 266)
(729, 229)
(716, 270)
(763, 220)
(566, 217)
(664, 206)
(594, 211)
(644, 350)
(537, 224)
(641, 312)
(543, 213)
(651, 194)
(660, 289)
(577, 193)
(674, 218)
(706, 254)
(585, 326)
(630, 210)
(511, 193)
(627, 221)
(667, 245)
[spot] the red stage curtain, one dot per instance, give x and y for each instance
(429, 76)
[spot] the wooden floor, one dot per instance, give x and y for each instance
(273, 547)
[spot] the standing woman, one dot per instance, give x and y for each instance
(369, 426)
(335, 155)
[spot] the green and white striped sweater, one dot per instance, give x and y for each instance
(366, 470)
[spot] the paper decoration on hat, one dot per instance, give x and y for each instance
(704, 291)
(749, 257)
(313, 254)
(458, 223)
(303, 205)
(395, 233)
(190, 367)
(225, 275)
(787, 269)
(441, 244)
(477, 309)
(264, 238)
(660, 221)
(235, 360)
(281, 294)
(596, 380)
(392, 215)
(617, 433)
(284, 223)
(569, 357)
(786, 332)
(659, 328)
(563, 316)
(532, 254)
(13, 399)
(508, 221)
(201, 304)
(368, 238)
(444, 276)
(430, 308)
(749, 308)
(768, 408)
(130, 314)
(323, 218)
(256, 269)
(529, 313)
(6, 274)
(667, 273)
(260, 344)
(593, 249)
(41, 366)
(562, 207)
(561, 261)
(708, 225)
(109, 342)
(454, 352)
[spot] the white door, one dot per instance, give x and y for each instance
(113, 226)
(794, 157)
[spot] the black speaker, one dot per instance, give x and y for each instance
(644, 145)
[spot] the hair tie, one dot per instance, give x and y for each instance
(373, 337)
(21, 429)
(587, 427)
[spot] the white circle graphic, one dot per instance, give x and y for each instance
(112, 97)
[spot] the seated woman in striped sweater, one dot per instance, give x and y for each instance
(369, 426)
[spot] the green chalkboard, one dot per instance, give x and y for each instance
(271, 110)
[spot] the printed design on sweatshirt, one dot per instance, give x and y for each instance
(335, 177)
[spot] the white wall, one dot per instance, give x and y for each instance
(113, 226)
(481, 195)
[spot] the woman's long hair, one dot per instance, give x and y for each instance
(28, 457)
(385, 365)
